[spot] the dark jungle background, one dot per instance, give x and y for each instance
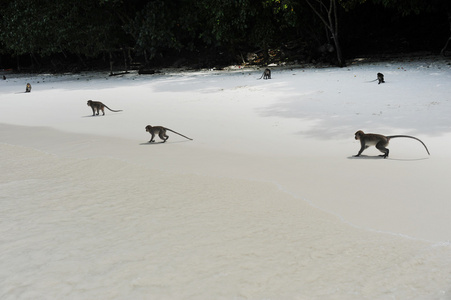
(69, 35)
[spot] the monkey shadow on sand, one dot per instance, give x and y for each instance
(365, 157)
(91, 116)
(158, 143)
(388, 158)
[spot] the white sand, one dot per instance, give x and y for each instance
(267, 202)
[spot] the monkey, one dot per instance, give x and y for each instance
(97, 106)
(4, 77)
(266, 74)
(161, 131)
(379, 141)
(380, 78)
(28, 88)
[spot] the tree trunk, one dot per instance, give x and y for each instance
(18, 62)
(449, 39)
(331, 23)
(125, 59)
(341, 62)
(111, 64)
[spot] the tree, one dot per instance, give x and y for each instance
(442, 52)
(326, 10)
(241, 24)
(45, 27)
(408, 7)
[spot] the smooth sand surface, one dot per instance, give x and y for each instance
(266, 202)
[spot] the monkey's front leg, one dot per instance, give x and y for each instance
(363, 147)
(151, 139)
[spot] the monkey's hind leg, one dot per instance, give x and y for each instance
(163, 136)
(381, 148)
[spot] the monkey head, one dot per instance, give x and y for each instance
(358, 134)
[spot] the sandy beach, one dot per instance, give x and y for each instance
(266, 202)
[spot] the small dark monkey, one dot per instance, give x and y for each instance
(28, 88)
(380, 78)
(266, 74)
(97, 106)
(161, 132)
(379, 141)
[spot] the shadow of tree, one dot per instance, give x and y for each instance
(335, 119)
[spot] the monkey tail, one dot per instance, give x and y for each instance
(411, 137)
(179, 134)
(111, 109)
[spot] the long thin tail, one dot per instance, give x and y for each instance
(111, 109)
(408, 136)
(371, 80)
(179, 134)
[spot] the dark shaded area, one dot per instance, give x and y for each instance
(116, 35)
(372, 30)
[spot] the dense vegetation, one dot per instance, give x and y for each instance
(207, 33)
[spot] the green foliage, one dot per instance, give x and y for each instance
(350, 4)
(406, 7)
(226, 21)
(90, 27)
(154, 27)
(46, 27)
(244, 22)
